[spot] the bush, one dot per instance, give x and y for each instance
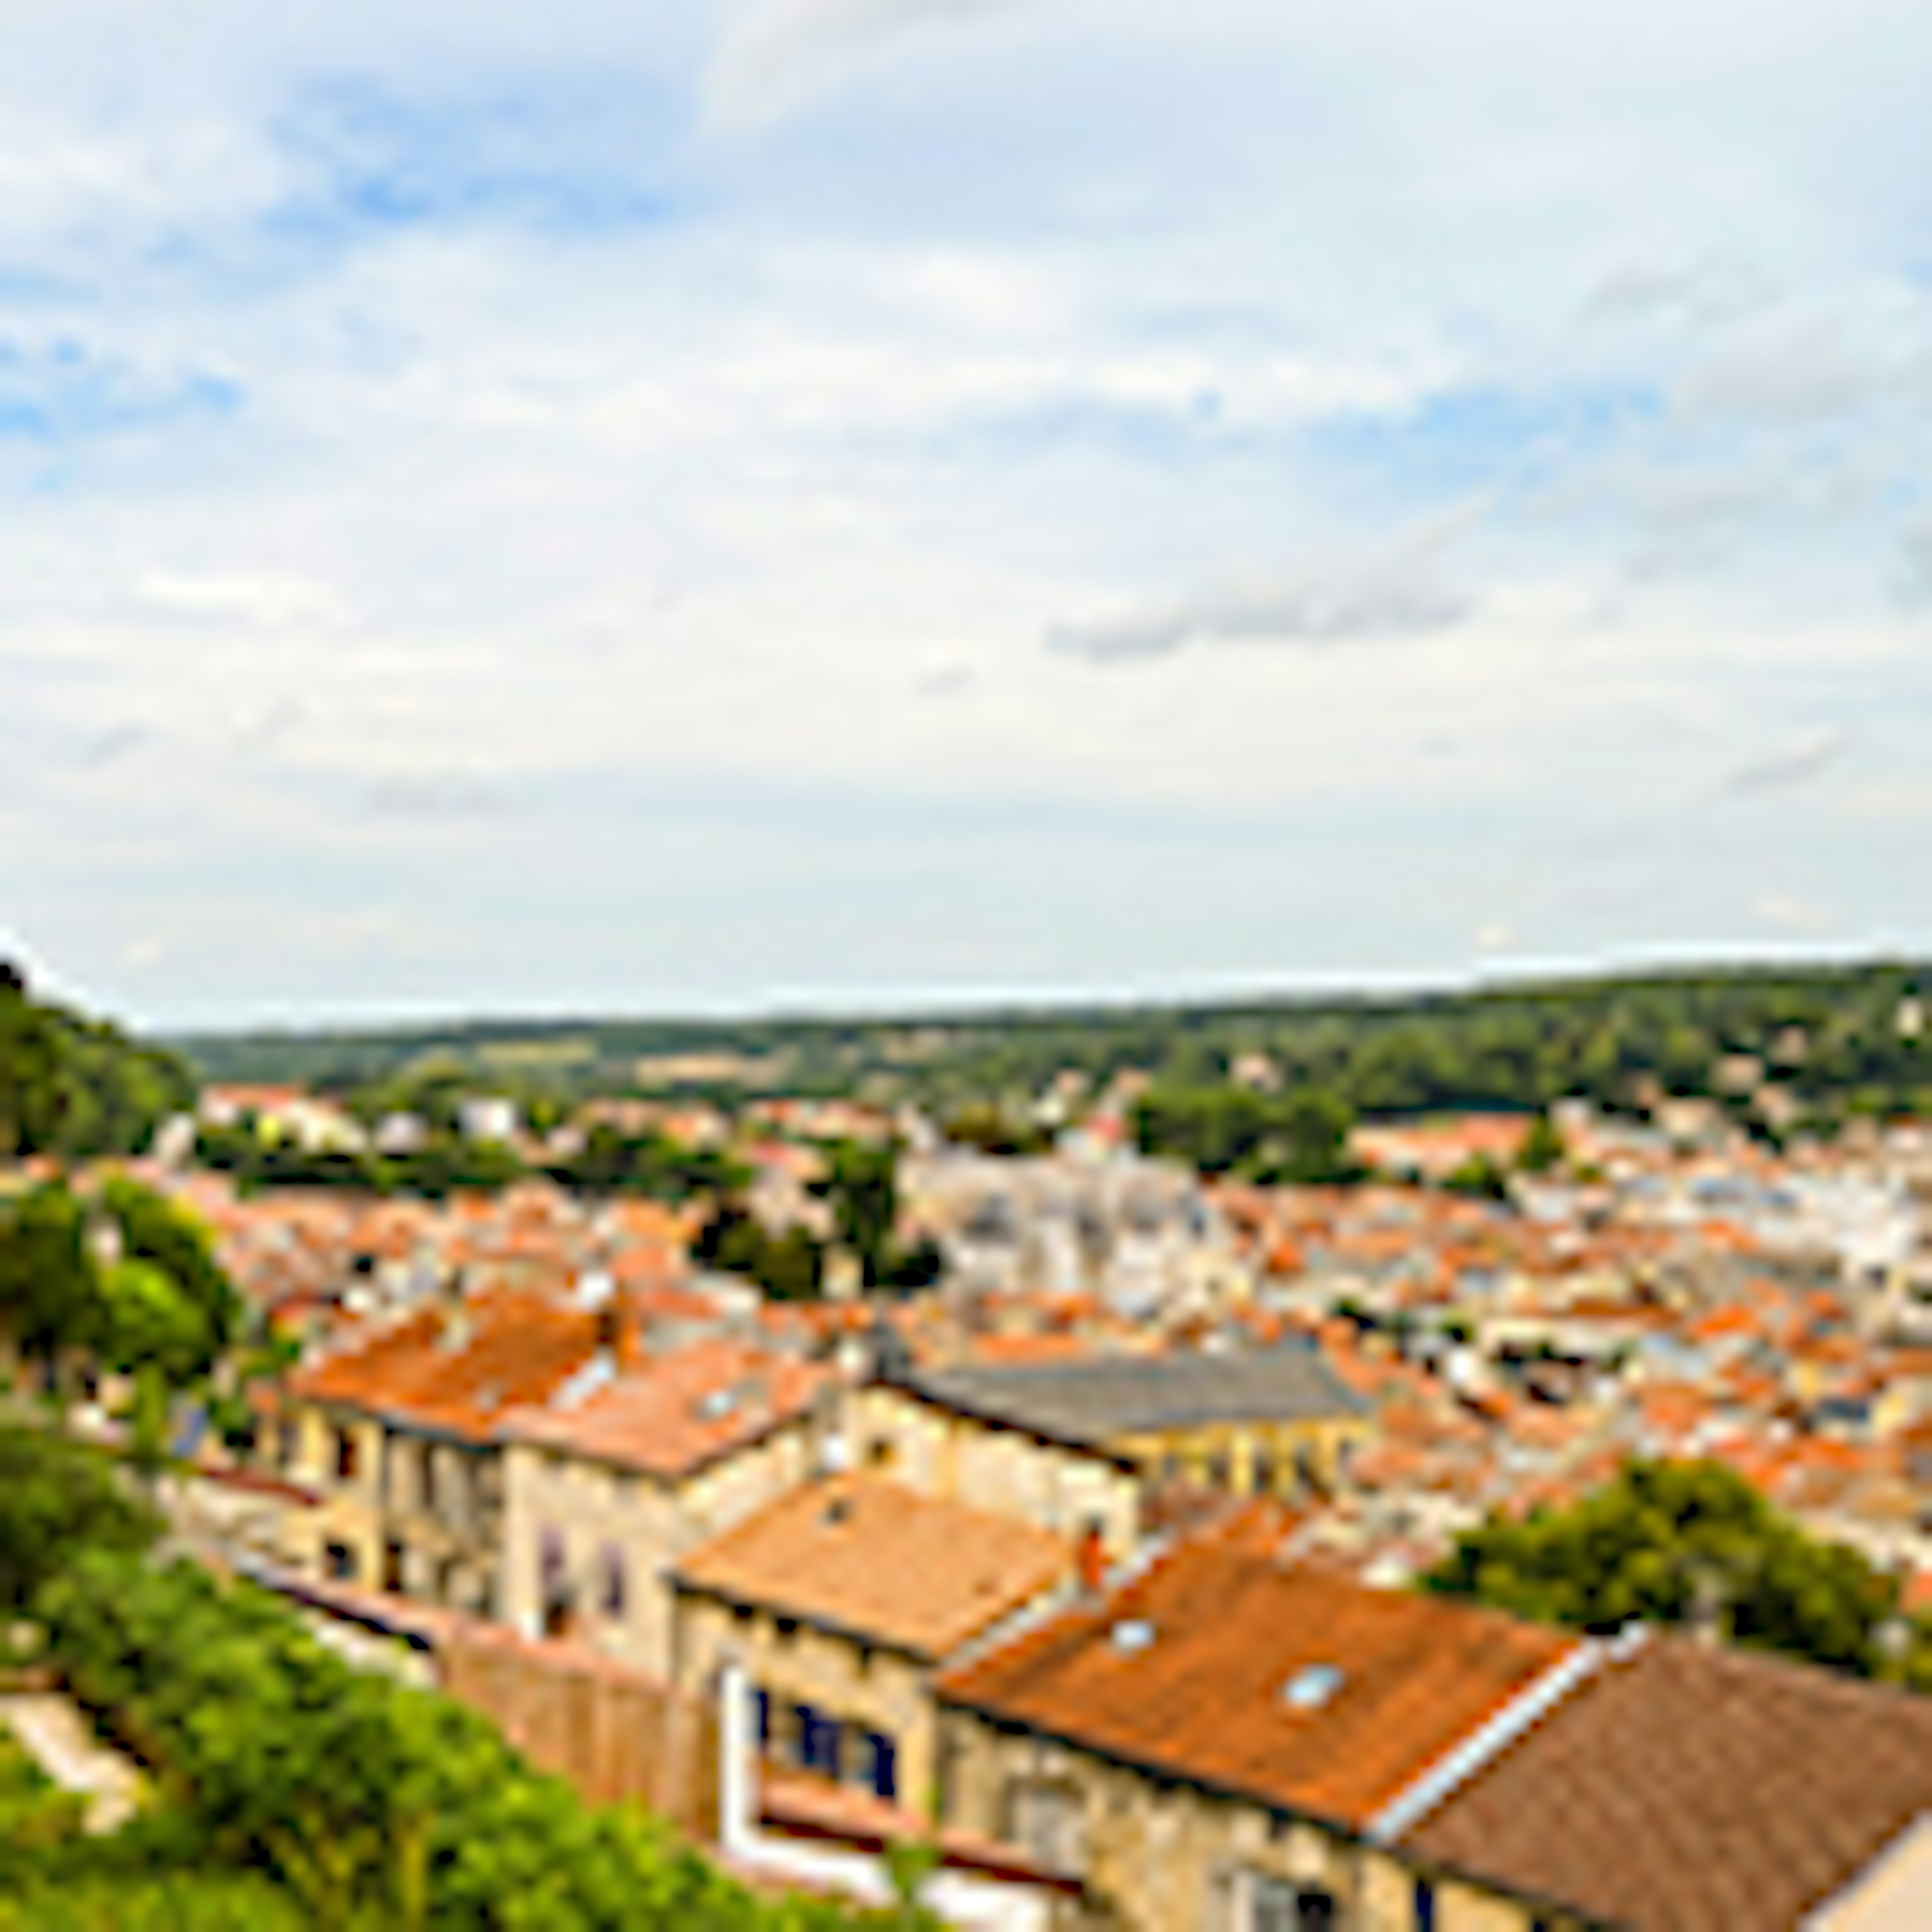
(57, 1499)
(358, 1796)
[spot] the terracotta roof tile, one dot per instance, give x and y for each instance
(670, 1415)
(1203, 1699)
(455, 1371)
(864, 1555)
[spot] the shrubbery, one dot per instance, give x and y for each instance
(370, 1803)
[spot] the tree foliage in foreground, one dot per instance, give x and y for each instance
(57, 1497)
(124, 1277)
(1678, 1543)
(371, 1804)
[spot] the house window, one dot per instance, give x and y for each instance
(553, 1584)
(339, 1560)
(761, 1718)
(1045, 1819)
(819, 1740)
(392, 1566)
(881, 1768)
(1425, 1905)
(1276, 1905)
(289, 1436)
(613, 1580)
(345, 1456)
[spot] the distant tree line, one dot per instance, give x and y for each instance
(1842, 1039)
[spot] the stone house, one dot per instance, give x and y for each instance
(1228, 1743)
(1273, 1421)
(838, 1603)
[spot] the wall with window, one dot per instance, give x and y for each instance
(396, 1511)
(590, 1545)
(1153, 1854)
(1285, 1459)
(823, 1702)
(334, 1456)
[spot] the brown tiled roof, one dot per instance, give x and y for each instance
(1690, 1790)
(1203, 1699)
(866, 1556)
(671, 1414)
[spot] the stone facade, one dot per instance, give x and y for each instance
(590, 1545)
(1156, 1855)
(961, 1459)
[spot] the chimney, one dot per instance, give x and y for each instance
(454, 1324)
(1091, 1562)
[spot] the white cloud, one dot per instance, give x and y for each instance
(1791, 912)
(773, 52)
(712, 469)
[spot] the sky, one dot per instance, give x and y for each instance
(720, 505)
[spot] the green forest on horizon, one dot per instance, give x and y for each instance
(1842, 1038)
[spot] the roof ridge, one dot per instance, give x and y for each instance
(1530, 1705)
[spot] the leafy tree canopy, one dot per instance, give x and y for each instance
(59, 1499)
(1675, 1543)
(73, 1087)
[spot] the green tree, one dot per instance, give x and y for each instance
(1675, 1542)
(1542, 1148)
(861, 1184)
(48, 1285)
(30, 1091)
(154, 1231)
(142, 1322)
(59, 1500)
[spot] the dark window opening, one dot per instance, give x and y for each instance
(881, 1769)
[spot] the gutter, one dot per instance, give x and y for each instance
(1527, 1708)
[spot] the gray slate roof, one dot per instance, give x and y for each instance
(1101, 1399)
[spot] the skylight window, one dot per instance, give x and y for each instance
(1132, 1636)
(1311, 1688)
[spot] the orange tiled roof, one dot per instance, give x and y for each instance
(861, 1554)
(671, 1414)
(517, 1349)
(1203, 1699)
